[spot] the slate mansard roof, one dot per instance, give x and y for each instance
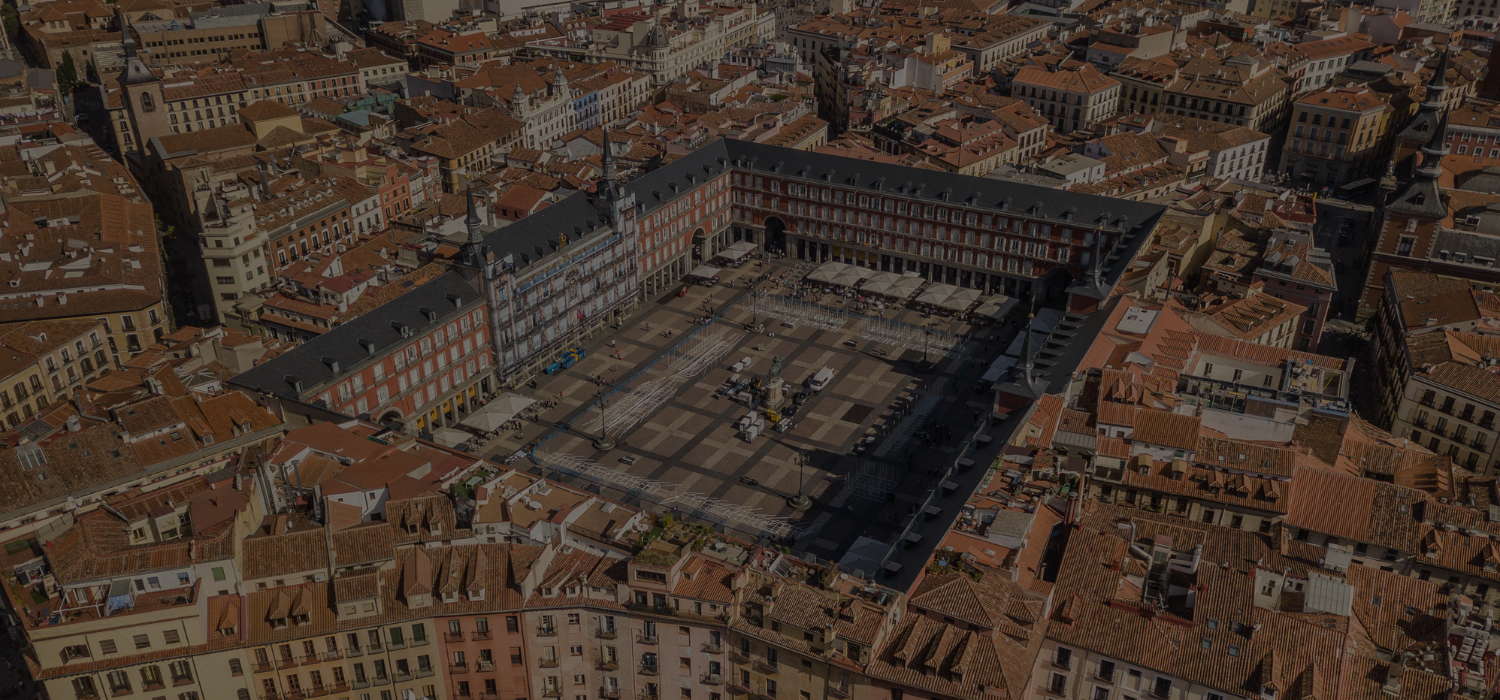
(576, 217)
(373, 334)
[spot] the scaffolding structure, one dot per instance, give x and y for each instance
(708, 507)
(905, 335)
(667, 495)
(689, 359)
(799, 312)
(642, 401)
(694, 357)
(873, 479)
(903, 431)
(594, 471)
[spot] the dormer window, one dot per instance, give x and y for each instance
(278, 623)
(302, 619)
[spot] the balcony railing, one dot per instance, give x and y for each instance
(403, 676)
(739, 655)
(459, 667)
(1064, 663)
(375, 648)
(120, 690)
(838, 691)
(453, 636)
(711, 679)
(182, 680)
(646, 638)
(545, 631)
(738, 685)
(552, 692)
(263, 667)
(548, 663)
(332, 655)
(360, 683)
(479, 635)
(397, 645)
(765, 666)
(609, 693)
(352, 652)
(286, 662)
(608, 664)
(420, 641)
(648, 669)
(606, 633)
(712, 648)
(153, 685)
(486, 666)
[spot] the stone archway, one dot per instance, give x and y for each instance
(392, 416)
(1054, 286)
(775, 240)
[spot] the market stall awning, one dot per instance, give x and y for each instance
(826, 272)
(852, 275)
(961, 300)
(997, 306)
(937, 294)
(706, 272)
(497, 412)
(450, 436)
(737, 252)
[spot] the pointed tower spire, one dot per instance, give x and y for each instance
(1096, 260)
(1432, 153)
(1438, 84)
(607, 160)
(1027, 366)
(473, 253)
(472, 221)
(135, 71)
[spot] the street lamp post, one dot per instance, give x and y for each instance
(604, 441)
(800, 501)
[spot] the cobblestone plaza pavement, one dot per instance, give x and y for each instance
(690, 443)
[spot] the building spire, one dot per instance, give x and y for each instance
(608, 162)
(1027, 366)
(1432, 153)
(1438, 84)
(472, 221)
(1096, 261)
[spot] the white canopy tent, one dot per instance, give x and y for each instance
(706, 272)
(450, 436)
(997, 306)
(852, 275)
(937, 294)
(497, 412)
(826, 272)
(961, 300)
(906, 285)
(737, 252)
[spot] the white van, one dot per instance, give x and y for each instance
(820, 380)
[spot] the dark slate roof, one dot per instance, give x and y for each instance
(1468, 243)
(309, 362)
(1420, 199)
(576, 216)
